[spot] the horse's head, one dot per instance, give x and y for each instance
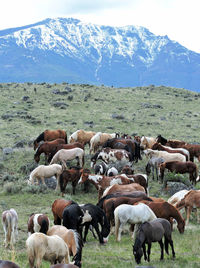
(35, 144)
(137, 250)
(84, 175)
(181, 226)
(37, 158)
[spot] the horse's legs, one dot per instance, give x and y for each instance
(149, 251)
(74, 183)
(42, 178)
(96, 227)
(172, 246)
(161, 248)
(188, 212)
(153, 173)
(58, 181)
(85, 232)
(198, 217)
(144, 250)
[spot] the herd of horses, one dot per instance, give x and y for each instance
(123, 197)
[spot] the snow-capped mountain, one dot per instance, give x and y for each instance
(58, 50)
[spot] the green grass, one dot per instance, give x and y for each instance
(174, 113)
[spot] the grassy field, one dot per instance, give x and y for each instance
(28, 109)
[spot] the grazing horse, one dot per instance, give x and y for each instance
(110, 204)
(50, 248)
(191, 200)
(101, 182)
(68, 154)
(72, 239)
(46, 148)
(10, 226)
(98, 217)
(82, 136)
(147, 142)
(101, 168)
(160, 147)
(50, 135)
(152, 231)
(167, 211)
(154, 163)
(111, 155)
(168, 157)
(182, 168)
(131, 214)
(116, 188)
(99, 139)
(64, 146)
(38, 223)
(8, 264)
(132, 146)
(42, 172)
(58, 207)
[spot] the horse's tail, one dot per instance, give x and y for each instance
(44, 226)
(9, 226)
(66, 138)
(166, 245)
(62, 178)
(116, 223)
(196, 174)
(79, 245)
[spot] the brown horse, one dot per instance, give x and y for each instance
(160, 147)
(58, 207)
(101, 182)
(191, 200)
(38, 223)
(64, 146)
(128, 188)
(170, 143)
(194, 150)
(46, 148)
(8, 264)
(167, 211)
(182, 168)
(50, 135)
(72, 239)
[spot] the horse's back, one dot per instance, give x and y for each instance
(8, 264)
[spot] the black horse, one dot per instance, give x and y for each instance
(98, 217)
(149, 232)
(161, 140)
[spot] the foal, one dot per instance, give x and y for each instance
(10, 223)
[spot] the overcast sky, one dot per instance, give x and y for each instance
(179, 19)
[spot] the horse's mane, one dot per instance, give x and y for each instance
(79, 246)
(40, 137)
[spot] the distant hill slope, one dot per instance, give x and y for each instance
(57, 50)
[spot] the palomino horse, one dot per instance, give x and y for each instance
(152, 231)
(181, 168)
(131, 214)
(82, 136)
(168, 157)
(72, 239)
(58, 207)
(10, 226)
(68, 154)
(42, 172)
(50, 135)
(101, 182)
(38, 223)
(50, 248)
(147, 142)
(46, 148)
(167, 211)
(191, 200)
(8, 264)
(98, 217)
(64, 146)
(99, 139)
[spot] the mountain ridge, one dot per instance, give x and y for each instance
(66, 49)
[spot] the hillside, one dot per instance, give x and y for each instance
(28, 109)
(57, 50)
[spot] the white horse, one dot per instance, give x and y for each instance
(99, 139)
(50, 248)
(132, 214)
(43, 171)
(10, 226)
(68, 154)
(168, 157)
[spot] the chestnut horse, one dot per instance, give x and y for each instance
(182, 168)
(38, 223)
(50, 135)
(128, 188)
(191, 200)
(167, 211)
(46, 148)
(72, 239)
(64, 146)
(58, 207)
